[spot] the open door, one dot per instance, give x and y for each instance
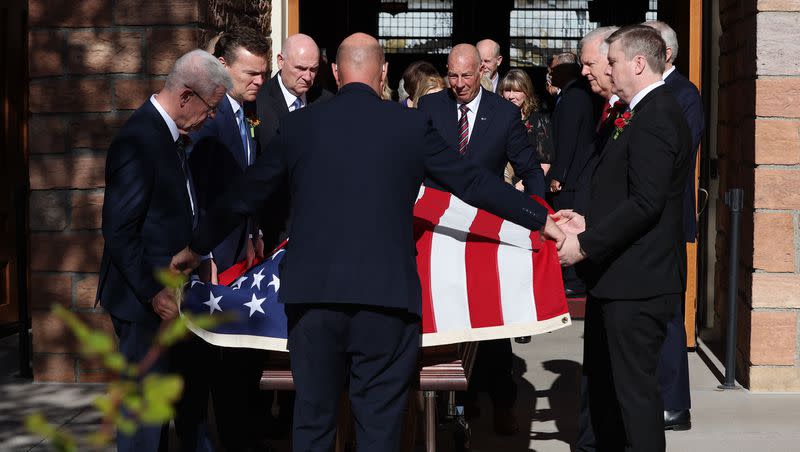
(13, 158)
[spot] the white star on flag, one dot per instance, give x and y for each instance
(238, 284)
(257, 277)
(213, 302)
(275, 282)
(255, 305)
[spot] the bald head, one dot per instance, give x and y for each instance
(360, 59)
(298, 63)
(464, 55)
(489, 52)
(463, 72)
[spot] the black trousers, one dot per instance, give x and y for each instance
(622, 342)
(492, 373)
(372, 349)
(673, 365)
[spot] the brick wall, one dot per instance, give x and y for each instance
(759, 148)
(91, 63)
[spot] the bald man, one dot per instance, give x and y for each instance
(349, 280)
(490, 60)
(487, 131)
(291, 89)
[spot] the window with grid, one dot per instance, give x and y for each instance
(540, 29)
(416, 26)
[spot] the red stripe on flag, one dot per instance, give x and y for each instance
(483, 275)
(548, 285)
(427, 213)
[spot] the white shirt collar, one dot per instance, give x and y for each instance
(613, 99)
(640, 95)
(667, 72)
(173, 128)
(495, 81)
(474, 103)
(235, 105)
(289, 97)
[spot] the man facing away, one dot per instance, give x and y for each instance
(632, 244)
(149, 212)
(350, 286)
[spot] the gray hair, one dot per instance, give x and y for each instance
(598, 33)
(667, 34)
(200, 71)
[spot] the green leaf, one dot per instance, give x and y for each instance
(79, 329)
(115, 361)
(170, 279)
(98, 439)
(36, 423)
(156, 412)
(173, 332)
(97, 343)
(133, 403)
(163, 388)
(125, 425)
(104, 404)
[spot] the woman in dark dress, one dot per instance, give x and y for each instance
(517, 87)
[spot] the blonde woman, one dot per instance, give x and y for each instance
(517, 87)
(429, 85)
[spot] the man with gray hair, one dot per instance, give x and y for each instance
(673, 367)
(149, 213)
(491, 60)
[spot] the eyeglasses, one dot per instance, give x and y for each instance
(211, 110)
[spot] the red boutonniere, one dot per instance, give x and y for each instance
(528, 126)
(254, 122)
(621, 122)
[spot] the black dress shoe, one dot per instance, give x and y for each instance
(677, 420)
(574, 293)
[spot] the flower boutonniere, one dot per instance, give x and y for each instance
(528, 125)
(254, 122)
(621, 122)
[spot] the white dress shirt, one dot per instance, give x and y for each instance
(667, 72)
(236, 107)
(640, 95)
(289, 97)
(472, 114)
(495, 82)
(173, 129)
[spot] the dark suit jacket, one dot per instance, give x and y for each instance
(217, 158)
(498, 137)
(573, 123)
(692, 106)
(147, 216)
(354, 179)
(271, 107)
(634, 236)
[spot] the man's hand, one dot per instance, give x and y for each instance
(207, 272)
(570, 221)
(552, 232)
(555, 186)
(570, 253)
(250, 252)
(164, 304)
(259, 248)
(185, 261)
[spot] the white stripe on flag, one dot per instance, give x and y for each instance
(448, 268)
(420, 193)
(515, 266)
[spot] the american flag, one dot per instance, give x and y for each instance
(482, 278)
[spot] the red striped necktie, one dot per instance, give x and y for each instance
(463, 129)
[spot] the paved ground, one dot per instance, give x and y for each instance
(548, 379)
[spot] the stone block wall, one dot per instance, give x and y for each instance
(759, 150)
(91, 63)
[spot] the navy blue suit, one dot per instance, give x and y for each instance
(218, 158)
(573, 123)
(349, 279)
(147, 218)
(673, 365)
(498, 137)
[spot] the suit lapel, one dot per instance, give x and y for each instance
(229, 132)
(483, 119)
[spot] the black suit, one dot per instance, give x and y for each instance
(271, 107)
(573, 123)
(147, 218)
(673, 366)
(635, 271)
(349, 279)
(217, 159)
(498, 137)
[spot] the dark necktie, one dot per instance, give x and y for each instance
(243, 135)
(463, 129)
(181, 144)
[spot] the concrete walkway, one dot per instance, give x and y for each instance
(548, 372)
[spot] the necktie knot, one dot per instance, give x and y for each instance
(464, 109)
(240, 115)
(297, 104)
